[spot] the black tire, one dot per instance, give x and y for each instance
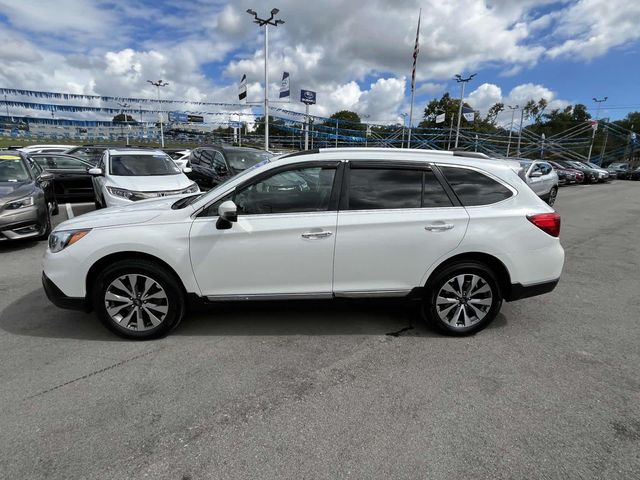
(553, 194)
(47, 230)
(173, 290)
(442, 277)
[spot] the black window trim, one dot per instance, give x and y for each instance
(513, 190)
(394, 165)
(333, 199)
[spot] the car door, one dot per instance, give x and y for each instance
(72, 178)
(394, 222)
(98, 180)
(535, 179)
(548, 177)
(45, 185)
(283, 242)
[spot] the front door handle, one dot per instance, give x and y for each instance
(439, 227)
(315, 235)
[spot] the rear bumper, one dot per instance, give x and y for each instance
(59, 299)
(519, 291)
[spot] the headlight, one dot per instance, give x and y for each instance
(121, 192)
(22, 203)
(193, 188)
(60, 240)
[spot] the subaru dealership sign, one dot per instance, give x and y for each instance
(308, 97)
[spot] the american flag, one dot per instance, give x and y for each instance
(416, 49)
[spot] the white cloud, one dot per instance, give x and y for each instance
(488, 94)
(590, 28)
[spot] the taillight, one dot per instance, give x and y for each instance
(547, 222)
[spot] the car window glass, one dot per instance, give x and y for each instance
(44, 162)
(35, 168)
(219, 165)
(12, 169)
(206, 158)
(375, 188)
(300, 190)
(194, 158)
(546, 168)
(474, 188)
(67, 162)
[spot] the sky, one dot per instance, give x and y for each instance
(356, 54)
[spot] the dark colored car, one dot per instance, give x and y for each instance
(590, 175)
(27, 199)
(72, 180)
(635, 174)
(213, 165)
(578, 176)
(621, 169)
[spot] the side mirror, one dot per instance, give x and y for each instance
(227, 214)
(95, 171)
(187, 170)
(45, 177)
(535, 174)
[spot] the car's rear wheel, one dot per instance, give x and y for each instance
(462, 298)
(138, 299)
(553, 194)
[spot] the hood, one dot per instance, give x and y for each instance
(13, 190)
(138, 212)
(150, 183)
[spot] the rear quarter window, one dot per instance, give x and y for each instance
(474, 188)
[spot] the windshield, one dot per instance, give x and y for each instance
(12, 169)
(143, 165)
(244, 159)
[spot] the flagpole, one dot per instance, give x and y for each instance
(413, 80)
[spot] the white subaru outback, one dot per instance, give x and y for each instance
(457, 233)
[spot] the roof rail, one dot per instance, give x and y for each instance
(464, 153)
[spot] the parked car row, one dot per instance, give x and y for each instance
(625, 171)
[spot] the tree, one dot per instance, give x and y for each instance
(493, 113)
(347, 120)
(122, 118)
(446, 105)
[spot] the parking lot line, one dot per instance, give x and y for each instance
(69, 211)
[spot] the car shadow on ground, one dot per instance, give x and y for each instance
(33, 315)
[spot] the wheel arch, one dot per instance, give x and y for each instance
(107, 260)
(494, 263)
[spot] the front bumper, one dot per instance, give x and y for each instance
(519, 291)
(22, 223)
(59, 299)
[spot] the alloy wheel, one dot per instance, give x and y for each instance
(136, 302)
(464, 300)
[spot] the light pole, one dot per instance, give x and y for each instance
(159, 84)
(404, 123)
(124, 106)
(265, 22)
(366, 129)
(595, 127)
(520, 130)
(6, 104)
(462, 81)
(513, 112)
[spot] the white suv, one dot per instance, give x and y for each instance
(127, 175)
(458, 234)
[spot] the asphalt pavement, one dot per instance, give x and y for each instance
(329, 390)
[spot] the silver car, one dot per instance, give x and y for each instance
(542, 179)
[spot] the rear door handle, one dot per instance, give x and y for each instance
(439, 227)
(315, 235)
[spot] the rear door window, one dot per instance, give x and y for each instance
(474, 188)
(392, 188)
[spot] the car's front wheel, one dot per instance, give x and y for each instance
(138, 299)
(462, 298)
